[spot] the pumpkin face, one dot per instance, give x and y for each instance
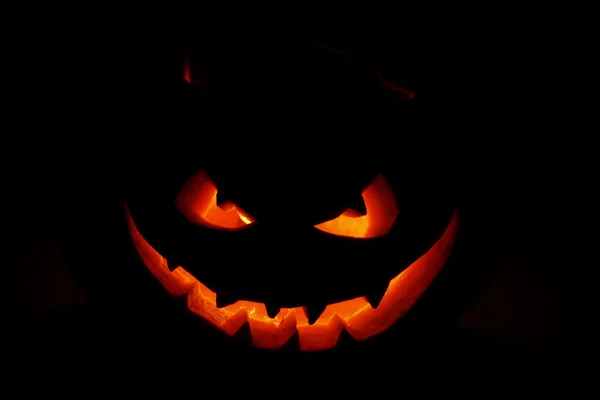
(251, 232)
(309, 233)
(271, 327)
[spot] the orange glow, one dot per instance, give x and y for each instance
(379, 219)
(356, 315)
(407, 94)
(187, 74)
(198, 202)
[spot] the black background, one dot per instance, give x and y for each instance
(72, 103)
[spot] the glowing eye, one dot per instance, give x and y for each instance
(198, 202)
(379, 219)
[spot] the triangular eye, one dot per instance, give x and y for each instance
(198, 202)
(381, 213)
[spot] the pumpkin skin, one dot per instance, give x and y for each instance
(335, 271)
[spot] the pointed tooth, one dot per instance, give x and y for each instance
(313, 312)
(375, 295)
(272, 310)
(171, 265)
(293, 343)
(224, 299)
(345, 340)
(243, 334)
(222, 197)
(357, 203)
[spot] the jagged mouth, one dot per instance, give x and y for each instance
(356, 316)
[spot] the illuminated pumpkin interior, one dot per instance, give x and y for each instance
(357, 316)
(198, 202)
(379, 219)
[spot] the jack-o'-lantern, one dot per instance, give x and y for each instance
(304, 234)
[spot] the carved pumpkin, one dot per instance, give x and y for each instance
(298, 241)
(361, 317)
(274, 315)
